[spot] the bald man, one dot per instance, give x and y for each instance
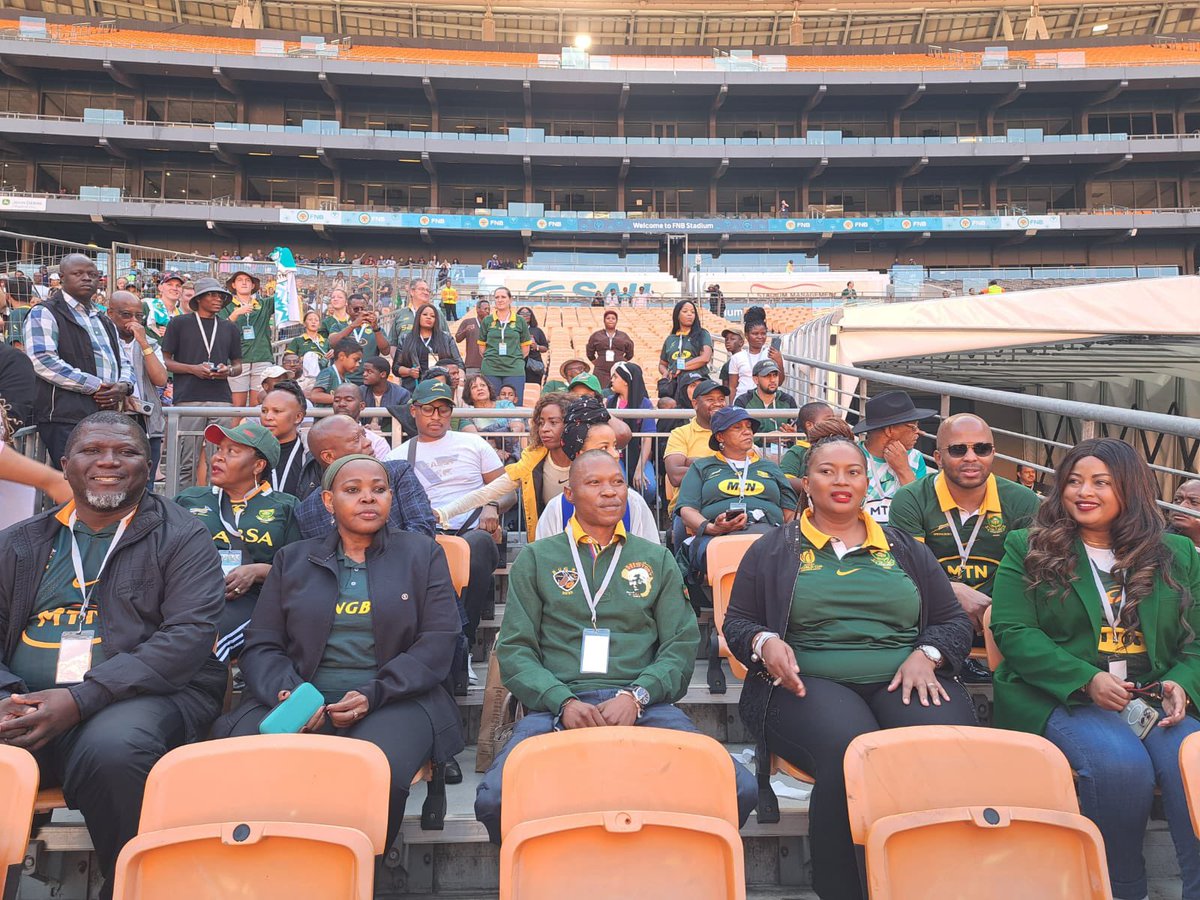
(145, 360)
(348, 401)
(963, 513)
(336, 436)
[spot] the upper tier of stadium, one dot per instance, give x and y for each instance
(130, 35)
(660, 23)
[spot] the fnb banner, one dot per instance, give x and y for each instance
(584, 225)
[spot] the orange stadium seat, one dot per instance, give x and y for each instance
(18, 788)
(458, 555)
(1189, 767)
(724, 556)
(294, 815)
(1016, 833)
(658, 808)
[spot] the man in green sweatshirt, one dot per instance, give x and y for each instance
(596, 630)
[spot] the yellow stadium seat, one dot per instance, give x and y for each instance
(1189, 767)
(657, 809)
(18, 788)
(1015, 833)
(458, 555)
(296, 815)
(724, 556)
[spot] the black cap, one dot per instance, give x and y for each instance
(890, 408)
(707, 387)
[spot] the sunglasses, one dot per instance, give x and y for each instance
(958, 451)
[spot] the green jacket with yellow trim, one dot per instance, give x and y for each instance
(1050, 640)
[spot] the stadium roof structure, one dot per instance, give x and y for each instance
(1146, 329)
(675, 24)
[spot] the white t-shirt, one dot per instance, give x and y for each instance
(742, 364)
(450, 467)
(641, 519)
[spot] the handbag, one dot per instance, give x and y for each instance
(535, 370)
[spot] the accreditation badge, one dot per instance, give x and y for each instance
(230, 560)
(74, 657)
(247, 332)
(593, 653)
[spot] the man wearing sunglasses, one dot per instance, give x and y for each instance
(964, 512)
(145, 361)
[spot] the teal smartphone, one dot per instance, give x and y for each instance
(293, 713)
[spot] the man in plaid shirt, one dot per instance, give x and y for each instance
(76, 356)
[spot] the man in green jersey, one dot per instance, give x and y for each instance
(964, 512)
(567, 595)
(255, 319)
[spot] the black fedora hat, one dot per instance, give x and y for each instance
(890, 408)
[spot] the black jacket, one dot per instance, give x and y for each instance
(413, 611)
(762, 601)
(17, 384)
(55, 404)
(161, 597)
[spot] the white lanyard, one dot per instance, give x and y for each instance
(583, 584)
(208, 342)
(359, 332)
(234, 529)
(1105, 604)
(742, 474)
(277, 481)
(77, 562)
(611, 338)
(503, 329)
(964, 551)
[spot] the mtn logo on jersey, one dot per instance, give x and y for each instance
(731, 487)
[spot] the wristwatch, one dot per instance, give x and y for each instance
(934, 654)
(640, 696)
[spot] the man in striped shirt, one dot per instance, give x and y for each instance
(76, 356)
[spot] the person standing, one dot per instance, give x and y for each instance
(767, 395)
(76, 356)
(607, 347)
(145, 361)
(419, 295)
(202, 351)
(468, 335)
(504, 342)
(1187, 495)
(144, 679)
(742, 363)
(363, 328)
(255, 321)
(336, 315)
(890, 423)
(449, 295)
(535, 362)
(162, 309)
(20, 294)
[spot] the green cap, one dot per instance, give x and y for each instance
(432, 391)
(588, 381)
(249, 433)
(336, 466)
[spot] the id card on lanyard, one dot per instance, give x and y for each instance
(75, 647)
(593, 651)
(1118, 668)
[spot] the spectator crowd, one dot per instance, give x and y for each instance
(301, 548)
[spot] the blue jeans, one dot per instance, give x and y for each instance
(516, 382)
(658, 715)
(1117, 774)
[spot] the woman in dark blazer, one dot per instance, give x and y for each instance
(846, 627)
(368, 616)
(1094, 607)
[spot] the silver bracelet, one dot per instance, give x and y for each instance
(756, 650)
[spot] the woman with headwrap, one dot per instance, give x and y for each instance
(629, 392)
(367, 616)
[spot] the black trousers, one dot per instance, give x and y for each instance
(402, 730)
(484, 557)
(813, 732)
(102, 764)
(54, 437)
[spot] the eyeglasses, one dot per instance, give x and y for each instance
(435, 409)
(958, 451)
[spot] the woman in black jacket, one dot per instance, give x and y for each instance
(422, 348)
(368, 616)
(846, 627)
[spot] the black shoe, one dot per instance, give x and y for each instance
(453, 772)
(975, 672)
